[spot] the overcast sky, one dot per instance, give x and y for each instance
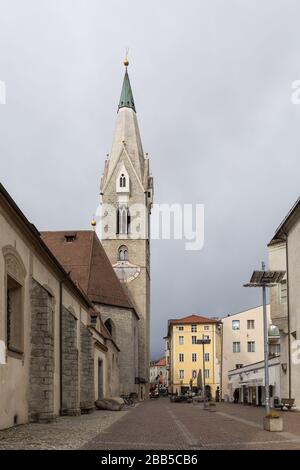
(212, 86)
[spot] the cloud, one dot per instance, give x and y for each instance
(212, 86)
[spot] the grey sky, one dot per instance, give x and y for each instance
(212, 87)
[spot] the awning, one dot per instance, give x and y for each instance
(253, 383)
(257, 382)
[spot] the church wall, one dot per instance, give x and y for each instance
(70, 363)
(113, 371)
(30, 379)
(87, 395)
(47, 279)
(14, 374)
(126, 338)
(41, 396)
(100, 355)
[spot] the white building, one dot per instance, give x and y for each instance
(284, 254)
(243, 344)
(247, 384)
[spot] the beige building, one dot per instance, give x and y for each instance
(185, 357)
(284, 254)
(57, 356)
(243, 344)
(126, 197)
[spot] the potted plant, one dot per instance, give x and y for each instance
(273, 422)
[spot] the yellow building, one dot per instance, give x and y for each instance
(185, 355)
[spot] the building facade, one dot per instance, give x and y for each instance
(50, 334)
(284, 254)
(126, 198)
(248, 382)
(185, 357)
(82, 255)
(158, 372)
(243, 343)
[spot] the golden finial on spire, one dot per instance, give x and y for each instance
(126, 61)
(93, 223)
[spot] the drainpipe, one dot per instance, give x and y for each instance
(221, 369)
(60, 348)
(288, 315)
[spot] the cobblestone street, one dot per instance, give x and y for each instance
(158, 425)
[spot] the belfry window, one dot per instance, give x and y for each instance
(123, 220)
(123, 253)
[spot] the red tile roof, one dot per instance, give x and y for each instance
(161, 362)
(89, 266)
(193, 319)
(190, 319)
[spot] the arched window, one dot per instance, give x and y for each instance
(110, 326)
(122, 181)
(15, 274)
(123, 253)
(123, 220)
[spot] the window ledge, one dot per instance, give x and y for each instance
(14, 352)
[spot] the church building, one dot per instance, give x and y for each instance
(126, 197)
(75, 311)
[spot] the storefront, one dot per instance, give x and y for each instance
(247, 384)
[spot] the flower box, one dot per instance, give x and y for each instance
(273, 424)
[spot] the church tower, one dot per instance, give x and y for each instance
(127, 192)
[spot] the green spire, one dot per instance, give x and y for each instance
(126, 98)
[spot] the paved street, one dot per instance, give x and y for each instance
(158, 424)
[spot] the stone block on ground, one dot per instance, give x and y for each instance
(111, 404)
(273, 424)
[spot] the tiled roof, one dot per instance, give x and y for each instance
(193, 319)
(161, 362)
(84, 257)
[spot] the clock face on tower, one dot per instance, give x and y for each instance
(126, 271)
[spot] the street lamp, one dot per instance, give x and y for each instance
(265, 279)
(203, 341)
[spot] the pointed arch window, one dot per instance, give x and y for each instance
(110, 326)
(122, 181)
(15, 274)
(123, 253)
(123, 220)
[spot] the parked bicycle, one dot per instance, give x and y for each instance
(128, 399)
